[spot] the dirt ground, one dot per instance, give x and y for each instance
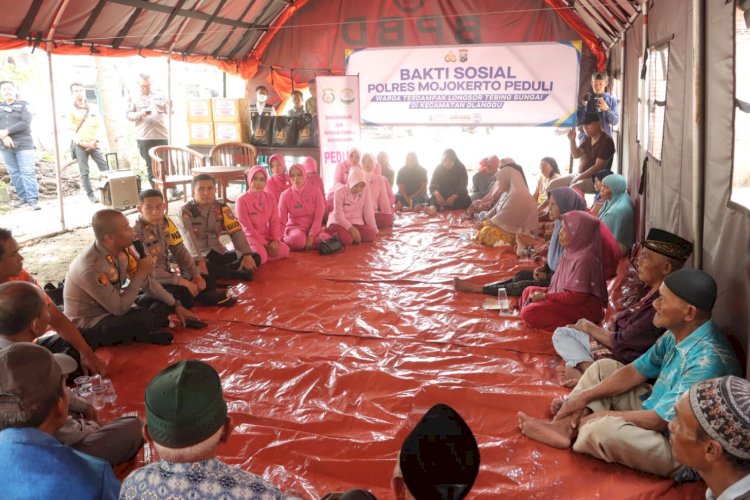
(48, 259)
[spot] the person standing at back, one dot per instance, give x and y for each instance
(148, 111)
(601, 102)
(17, 145)
(311, 103)
(85, 126)
(260, 106)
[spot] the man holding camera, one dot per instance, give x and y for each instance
(600, 102)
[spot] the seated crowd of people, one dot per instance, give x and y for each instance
(657, 390)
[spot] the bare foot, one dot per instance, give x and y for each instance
(570, 377)
(560, 369)
(557, 433)
(555, 405)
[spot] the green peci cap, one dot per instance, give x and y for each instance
(184, 404)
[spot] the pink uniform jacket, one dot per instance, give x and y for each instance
(258, 214)
(277, 184)
(341, 177)
(376, 183)
(302, 209)
(351, 210)
(312, 177)
(388, 189)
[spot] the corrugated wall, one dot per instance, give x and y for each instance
(726, 230)
(669, 183)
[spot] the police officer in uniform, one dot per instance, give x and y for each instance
(161, 237)
(204, 220)
(17, 146)
(96, 298)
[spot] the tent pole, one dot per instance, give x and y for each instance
(169, 95)
(58, 169)
(697, 73)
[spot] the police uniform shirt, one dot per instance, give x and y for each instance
(153, 125)
(16, 119)
(204, 226)
(159, 240)
(95, 286)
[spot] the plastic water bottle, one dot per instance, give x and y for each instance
(503, 301)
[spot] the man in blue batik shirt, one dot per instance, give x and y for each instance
(187, 421)
(614, 414)
(33, 406)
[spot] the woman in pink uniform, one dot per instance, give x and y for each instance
(578, 289)
(353, 217)
(259, 217)
(342, 174)
(376, 183)
(301, 212)
(312, 177)
(279, 182)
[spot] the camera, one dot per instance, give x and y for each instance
(592, 102)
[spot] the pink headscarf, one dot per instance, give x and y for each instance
(281, 160)
(302, 171)
(375, 167)
(281, 181)
(347, 162)
(356, 175)
(278, 183)
(309, 165)
(581, 267)
(256, 199)
(610, 251)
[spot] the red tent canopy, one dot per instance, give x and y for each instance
(241, 36)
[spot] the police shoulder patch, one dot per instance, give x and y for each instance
(102, 279)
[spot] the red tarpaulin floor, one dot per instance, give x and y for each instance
(328, 362)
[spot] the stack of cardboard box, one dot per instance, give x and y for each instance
(214, 121)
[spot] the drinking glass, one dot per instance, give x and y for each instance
(84, 394)
(110, 396)
(83, 382)
(502, 301)
(97, 396)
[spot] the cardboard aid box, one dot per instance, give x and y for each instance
(201, 133)
(199, 110)
(230, 132)
(229, 110)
